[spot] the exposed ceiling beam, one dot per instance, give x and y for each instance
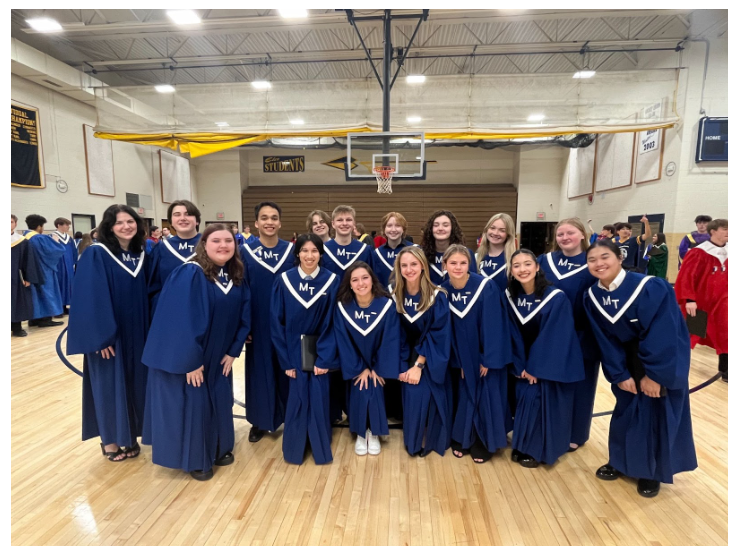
(336, 55)
(339, 20)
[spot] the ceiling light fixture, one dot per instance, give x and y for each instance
(536, 117)
(165, 88)
(584, 74)
(415, 79)
(44, 25)
(221, 124)
(293, 13)
(262, 85)
(184, 17)
(297, 122)
(414, 119)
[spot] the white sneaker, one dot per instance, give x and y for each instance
(373, 444)
(360, 447)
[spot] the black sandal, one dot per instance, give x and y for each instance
(132, 451)
(112, 456)
(479, 451)
(456, 447)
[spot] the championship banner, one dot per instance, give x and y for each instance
(280, 164)
(25, 152)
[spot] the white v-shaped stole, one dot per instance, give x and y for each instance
(366, 332)
(176, 253)
(616, 317)
(128, 270)
(526, 319)
(307, 304)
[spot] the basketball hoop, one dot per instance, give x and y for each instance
(384, 178)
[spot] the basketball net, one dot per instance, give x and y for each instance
(384, 178)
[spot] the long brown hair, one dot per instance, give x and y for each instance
(235, 268)
(429, 241)
(345, 295)
(427, 288)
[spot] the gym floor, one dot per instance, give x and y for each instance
(65, 493)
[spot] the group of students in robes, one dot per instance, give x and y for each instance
(42, 272)
(480, 345)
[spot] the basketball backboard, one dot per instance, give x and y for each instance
(403, 150)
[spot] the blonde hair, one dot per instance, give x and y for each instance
(343, 209)
(427, 288)
(455, 249)
(578, 224)
(399, 219)
(483, 249)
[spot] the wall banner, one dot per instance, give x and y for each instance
(279, 164)
(25, 147)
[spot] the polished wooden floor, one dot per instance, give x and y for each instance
(65, 493)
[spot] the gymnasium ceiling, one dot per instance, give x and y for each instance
(138, 47)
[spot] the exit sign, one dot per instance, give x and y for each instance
(540, 216)
(220, 215)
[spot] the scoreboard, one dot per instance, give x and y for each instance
(713, 140)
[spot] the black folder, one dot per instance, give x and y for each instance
(635, 367)
(308, 353)
(697, 324)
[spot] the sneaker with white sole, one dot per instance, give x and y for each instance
(373, 444)
(360, 447)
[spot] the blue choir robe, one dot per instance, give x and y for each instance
(480, 336)
(545, 345)
(383, 261)
(23, 267)
(173, 252)
(65, 270)
(190, 427)
(305, 307)
(368, 338)
(438, 275)
(495, 268)
(47, 295)
(425, 404)
(338, 258)
(648, 438)
(266, 385)
(110, 308)
(571, 275)
(150, 244)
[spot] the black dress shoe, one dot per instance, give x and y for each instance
(608, 472)
(526, 461)
(202, 475)
(20, 333)
(256, 434)
(32, 323)
(59, 316)
(49, 324)
(648, 488)
(516, 455)
(423, 453)
(225, 459)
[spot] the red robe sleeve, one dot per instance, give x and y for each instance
(691, 276)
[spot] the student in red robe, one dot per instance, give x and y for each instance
(702, 285)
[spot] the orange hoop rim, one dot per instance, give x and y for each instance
(383, 171)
